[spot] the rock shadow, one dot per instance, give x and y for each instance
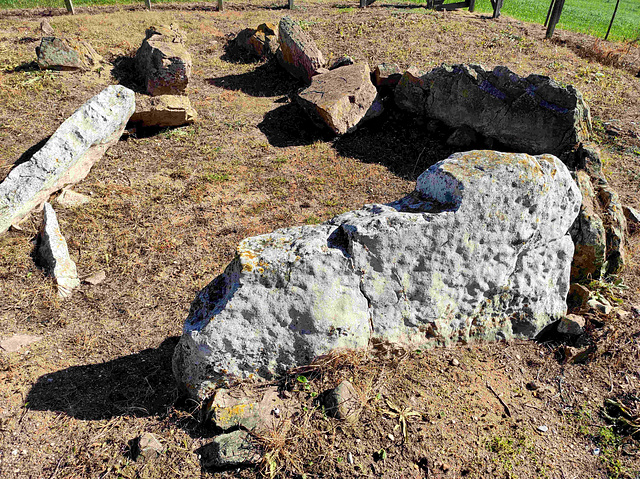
(267, 80)
(125, 72)
(140, 384)
(405, 145)
(31, 66)
(287, 125)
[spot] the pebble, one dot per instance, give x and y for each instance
(391, 437)
(454, 362)
(596, 451)
(543, 428)
(350, 458)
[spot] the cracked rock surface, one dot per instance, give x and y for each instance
(67, 156)
(479, 250)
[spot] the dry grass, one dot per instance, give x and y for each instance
(169, 209)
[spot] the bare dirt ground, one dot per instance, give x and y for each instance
(169, 208)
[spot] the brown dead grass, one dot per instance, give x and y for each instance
(169, 209)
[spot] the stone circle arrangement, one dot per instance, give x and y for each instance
(487, 247)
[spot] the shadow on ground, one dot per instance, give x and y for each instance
(124, 70)
(267, 80)
(140, 384)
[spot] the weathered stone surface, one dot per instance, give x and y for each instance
(571, 324)
(71, 199)
(17, 341)
(68, 155)
(479, 251)
(588, 234)
(341, 98)
(387, 75)
(163, 111)
(463, 137)
(534, 114)
(53, 254)
(229, 409)
(342, 62)
(66, 54)
(298, 53)
(616, 228)
(633, 218)
(578, 296)
(163, 62)
(234, 449)
(342, 402)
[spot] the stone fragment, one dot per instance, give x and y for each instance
(479, 251)
(237, 448)
(163, 62)
(15, 342)
(260, 43)
(534, 114)
(148, 446)
(227, 409)
(96, 278)
(387, 75)
(68, 155)
(342, 402)
(588, 234)
(578, 295)
(463, 137)
(342, 62)
(298, 53)
(66, 54)
(53, 254)
(633, 218)
(163, 111)
(616, 227)
(571, 324)
(71, 199)
(602, 306)
(46, 28)
(341, 98)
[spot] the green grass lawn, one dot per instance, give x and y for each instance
(586, 16)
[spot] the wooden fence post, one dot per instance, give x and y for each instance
(70, 8)
(220, 6)
(472, 5)
(290, 4)
(546, 22)
(555, 18)
(148, 4)
(363, 3)
(615, 10)
(497, 5)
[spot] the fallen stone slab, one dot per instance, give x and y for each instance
(298, 53)
(163, 111)
(340, 99)
(17, 341)
(53, 254)
(237, 448)
(163, 62)
(66, 54)
(72, 199)
(67, 156)
(534, 115)
(479, 251)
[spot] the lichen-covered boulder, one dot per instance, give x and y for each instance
(68, 155)
(479, 251)
(298, 53)
(66, 54)
(534, 115)
(163, 62)
(340, 99)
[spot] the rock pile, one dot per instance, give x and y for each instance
(479, 251)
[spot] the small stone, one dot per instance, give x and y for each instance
(15, 342)
(234, 449)
(148, 446)
(71, 199)
(350, 458)
(599, 306)
(391, 437)
(596, 451)
(571, 324)
(342, 62)
(342, 402)
(445, 466)
(578, 296)
(462, 137)
(46, 28)
(454, 362)
(633, 218)
(532, 386)
(543, 428)
(96, 278)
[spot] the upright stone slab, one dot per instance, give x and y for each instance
(479, 251)
(341, 98)
(163, 62)
(68, 155)
(298, 53)
(534, 114)
(66, 54)
(54, 254)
